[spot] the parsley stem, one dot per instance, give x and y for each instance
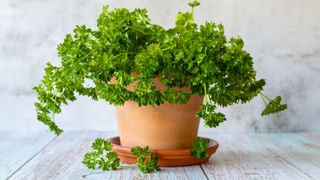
(206, 96)
(205, 89)
(192, 12)
(137, 29)
(265, 96)
(264, 101)
(120, 54)
(85, 56)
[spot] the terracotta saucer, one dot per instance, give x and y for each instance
(166, 158)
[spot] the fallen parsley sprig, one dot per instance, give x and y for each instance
(147, 162)
(102, 156)
(199, 149)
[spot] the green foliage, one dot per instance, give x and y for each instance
(211, 118)
(194, 3)
(102, 156)
(147, 162)
(199, 149)
(127, 49)
(274, 106)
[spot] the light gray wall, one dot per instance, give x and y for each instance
(283, 36)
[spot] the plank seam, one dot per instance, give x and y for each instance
(309, 138)
(283, 158)
(205, 174)
(32, 157)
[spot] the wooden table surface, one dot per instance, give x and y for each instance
(42, 155)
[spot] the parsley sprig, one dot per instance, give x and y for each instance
(199, 148)
(273, 106)
(102, 156)
(128, 47)
(208, 112)
(147, 162)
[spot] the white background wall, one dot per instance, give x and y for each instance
(283, 36)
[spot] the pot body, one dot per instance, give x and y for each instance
(161, 127)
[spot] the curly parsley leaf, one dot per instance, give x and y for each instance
(274, 106)
(147, 162)
(101, 157)
(199, 149)
(211, 118)
(194, 3)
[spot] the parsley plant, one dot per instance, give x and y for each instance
(128, 47)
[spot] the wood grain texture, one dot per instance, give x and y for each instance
(62, 160)
(16, 148)
(170, 173)
(245, 157)
(314, 136)
(301, 152)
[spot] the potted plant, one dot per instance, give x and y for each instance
(160, 80)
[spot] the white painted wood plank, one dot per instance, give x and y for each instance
(62, 160)
(245, 157)
(315, 136)
(16, 148)
(170, 173)
(297, 150)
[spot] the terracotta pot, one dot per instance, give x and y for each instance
(161, 127)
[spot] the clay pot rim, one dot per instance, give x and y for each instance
(167, 154)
